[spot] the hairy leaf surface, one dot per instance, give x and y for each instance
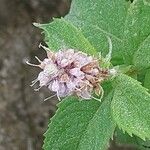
(98, 19)
(61, 34)
(136, 34)
(80, 125)
(131, 107)
(147, 80)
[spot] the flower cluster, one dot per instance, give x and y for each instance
(71, 72)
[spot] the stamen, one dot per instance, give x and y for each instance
(96, 98)
(50, 54)
(102, 92)
(44, 47)
(38, 89)
(34, 82)
(38, 59)
(50, 97)
(58, 96)
(30, 64)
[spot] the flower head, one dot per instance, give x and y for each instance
(71, 72)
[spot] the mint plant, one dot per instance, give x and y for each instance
(124, 110)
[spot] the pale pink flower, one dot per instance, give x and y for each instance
(70, 72)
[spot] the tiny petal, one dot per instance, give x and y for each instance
(51, 69)
(83, 59)
(47, 61)
(95, 71)
(43, 79)
(63, 91)
(64, 78)
(85, 94)
(88, 67)
(55, 86)
(64, 63)
(77, 73)
(71, 85)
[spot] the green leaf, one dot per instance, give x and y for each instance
(131, 106)
(91, 22)
(60, 34)
(127, 24)
(80, 125)
(124, 138)
(136, 33)
(98, 19)
(147, 80)
(142, 55)
(141, 76)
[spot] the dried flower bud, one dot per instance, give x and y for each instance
(70, 72)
